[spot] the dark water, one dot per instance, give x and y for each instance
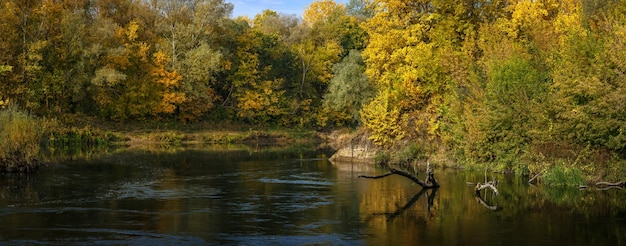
(296, 197)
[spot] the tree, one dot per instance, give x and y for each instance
(201, 57)
(257, 96)
(349, 89)
(515, 96)
(588, 86)
(170, 81)
(360, 8)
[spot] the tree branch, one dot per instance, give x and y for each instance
(490, 184)
(431, 182)
(619, 184)
(376, 177)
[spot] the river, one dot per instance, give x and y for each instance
(215, 195)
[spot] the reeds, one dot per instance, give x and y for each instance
(20, 139)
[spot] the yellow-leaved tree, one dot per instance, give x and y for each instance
(169, 81)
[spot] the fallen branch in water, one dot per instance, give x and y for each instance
(377, 177)
(488, 184)
(606, 185)
(621, 184)
(491, 184)
(430, 182)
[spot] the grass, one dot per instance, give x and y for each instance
(90, 130)
(561, 175)
(20, 139)
(23, 136)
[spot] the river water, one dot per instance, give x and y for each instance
(248, 196)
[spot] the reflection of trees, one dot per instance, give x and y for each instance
(410, 203)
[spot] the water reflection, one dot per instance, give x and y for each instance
(287, 197)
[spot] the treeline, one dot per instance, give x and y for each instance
(519, 84)
(187, 60)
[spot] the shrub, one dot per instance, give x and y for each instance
(408, 154)
(561, 175)
(382, 158)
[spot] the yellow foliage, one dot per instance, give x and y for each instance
(164, 77)
(170, 80)
(4, 103)
(384, 120)
(524, 14)
(170, 101)
(320, 11)
(131, 31)
(261, 101)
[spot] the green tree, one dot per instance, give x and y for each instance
(516, 92)
(349, 89)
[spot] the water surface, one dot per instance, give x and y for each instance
(257, 197)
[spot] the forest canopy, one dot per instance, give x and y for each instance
(515, 83)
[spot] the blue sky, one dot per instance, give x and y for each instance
(253, 7)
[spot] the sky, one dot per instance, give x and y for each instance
(253, 7)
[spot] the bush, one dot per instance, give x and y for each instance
(20, 139)
(382, 158)
(408, 155)
(561, 175)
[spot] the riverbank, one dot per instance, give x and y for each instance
(584, 168)
(84, 128)
(23, 137)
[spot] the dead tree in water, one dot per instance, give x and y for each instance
(429, 183)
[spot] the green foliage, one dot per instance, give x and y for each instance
(63, 137)
(349, 88)
(482, 82)
(408, 154)
(515, 91)
(561, 175)
(491, 83)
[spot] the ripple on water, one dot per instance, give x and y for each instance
(104, 236)
(156, 190)
(296, 181)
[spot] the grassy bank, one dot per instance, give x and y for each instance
(176, 133)
(563, 165)
(23, 137)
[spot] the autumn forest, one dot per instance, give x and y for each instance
(517, 85)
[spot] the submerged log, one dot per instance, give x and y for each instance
(607, 185)
(430, 181)
(621, 184)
